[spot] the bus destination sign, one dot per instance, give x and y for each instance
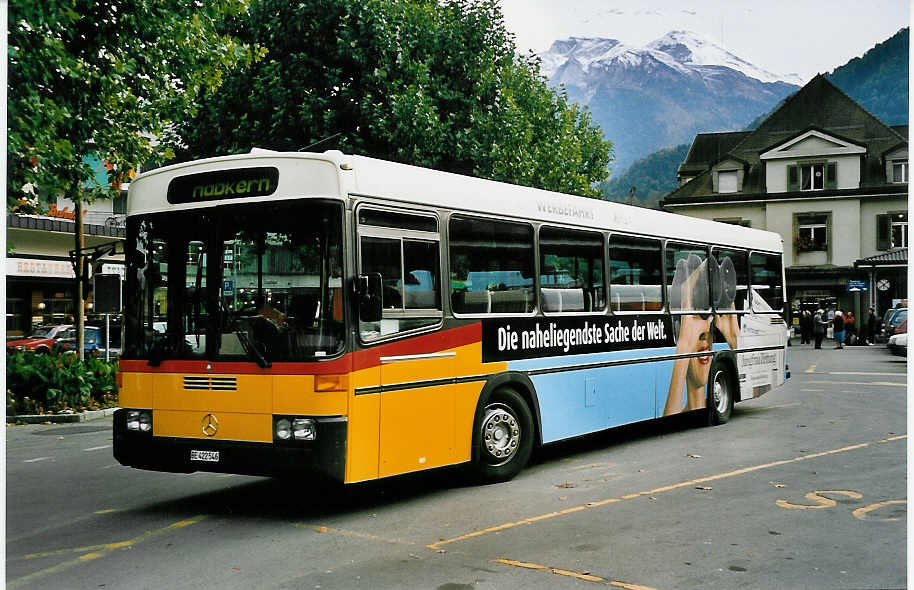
(223, 184)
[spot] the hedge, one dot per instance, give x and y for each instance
(50, 384)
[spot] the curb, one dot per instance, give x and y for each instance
(60, 418)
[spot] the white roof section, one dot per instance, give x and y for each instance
(335, 174)
(813, 143)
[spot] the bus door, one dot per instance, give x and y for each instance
(416, 418)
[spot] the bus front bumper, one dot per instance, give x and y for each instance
(325, 456)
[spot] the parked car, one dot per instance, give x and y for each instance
(887, 318)
(94, 344)
(898, 344)
(893, 324)
(41, 340)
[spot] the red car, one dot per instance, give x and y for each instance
(41, 340)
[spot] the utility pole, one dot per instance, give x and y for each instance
(80, 269)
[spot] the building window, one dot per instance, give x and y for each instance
(812, 233)
(900, 171)
(813, 176)
(899, 231)
(726, 181)
(892, 231)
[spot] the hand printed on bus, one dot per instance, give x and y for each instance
(689, 291)
(723, 294)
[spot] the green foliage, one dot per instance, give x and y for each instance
(879, 79)
(429, 83)
(107, 78)
(45, 383)
(653, 177)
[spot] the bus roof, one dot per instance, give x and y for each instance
(334, 174)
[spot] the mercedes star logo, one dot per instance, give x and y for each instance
(210, 425)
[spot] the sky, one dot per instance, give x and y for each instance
(801, 36)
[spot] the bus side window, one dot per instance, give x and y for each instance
(404, 249)
(491, 266)
(767, 290)
(729, 280)
(571, 270)
(635, 274)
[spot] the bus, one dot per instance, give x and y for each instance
(356, 319)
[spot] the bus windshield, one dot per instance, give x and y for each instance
(260, 283)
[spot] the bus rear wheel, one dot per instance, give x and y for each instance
(503, 437)
(720, 395)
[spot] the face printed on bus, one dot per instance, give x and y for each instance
(700, 367)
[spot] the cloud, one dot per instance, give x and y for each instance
(689, 11)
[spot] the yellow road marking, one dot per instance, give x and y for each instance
(675, 486)
(572, 574)
(861, 513)
(356, 534)
(92, 552)
(811, 369)
(820, 501)
(879, 383)
(107, 511)
(896, 374)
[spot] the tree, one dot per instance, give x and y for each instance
(430, 83)
(105, 78)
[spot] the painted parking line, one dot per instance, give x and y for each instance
(894, 374)
(868, 383)
(37, 459)
(584, 576)
(97, 448)
(92, 552)
(675, 486)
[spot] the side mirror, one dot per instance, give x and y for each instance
(369, 295)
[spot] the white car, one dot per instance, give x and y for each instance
(898, 344)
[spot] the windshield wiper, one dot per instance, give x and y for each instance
(251, 349)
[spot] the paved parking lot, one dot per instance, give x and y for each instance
(803, 488)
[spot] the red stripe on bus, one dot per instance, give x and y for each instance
(361, 359)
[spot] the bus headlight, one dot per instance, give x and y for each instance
(304, 429)
(294, 429)
(139, 421)
(283, 429)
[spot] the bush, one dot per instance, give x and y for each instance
(48, 384)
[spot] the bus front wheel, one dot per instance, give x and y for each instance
(720, 395)
(503, 437)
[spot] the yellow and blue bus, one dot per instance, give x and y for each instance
(357, 318)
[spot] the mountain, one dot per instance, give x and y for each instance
(879, 79)
(663, 94)
(652, 177)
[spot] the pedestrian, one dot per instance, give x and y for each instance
(850, 329)
(839, 329)
(871, 322)
(805, 327)
(819, 323)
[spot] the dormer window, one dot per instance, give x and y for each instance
(900, 171)
(727, 181)
(812, 176)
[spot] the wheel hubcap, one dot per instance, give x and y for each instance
(500, 434)
(720, 393)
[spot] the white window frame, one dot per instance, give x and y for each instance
(734, 174)
(810, 229)
(812, 176)
(903, 166)
(903, 226)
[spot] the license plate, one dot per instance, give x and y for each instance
(209, 456)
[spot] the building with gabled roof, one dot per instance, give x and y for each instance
(829, 177)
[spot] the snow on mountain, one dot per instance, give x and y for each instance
(690, 48)
(677, 50)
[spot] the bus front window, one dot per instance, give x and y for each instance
(260, 283)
